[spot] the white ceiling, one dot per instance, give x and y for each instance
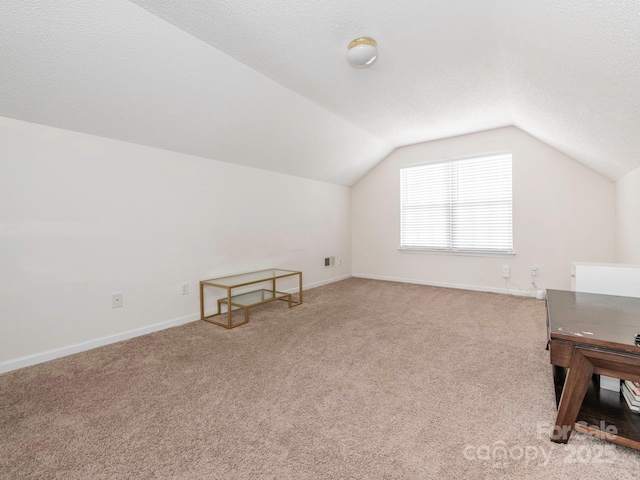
(266, 84)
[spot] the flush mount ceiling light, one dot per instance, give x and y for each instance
(363, 52)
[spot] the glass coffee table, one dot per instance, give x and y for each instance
(253, 298)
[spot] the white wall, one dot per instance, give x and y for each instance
(82, 217)
(562, 212)
(628, 218)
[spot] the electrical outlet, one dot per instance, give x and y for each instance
(116, 300)
(534, 270)
(506, 271)
(339, 260)
(185, 289)
(329, 262)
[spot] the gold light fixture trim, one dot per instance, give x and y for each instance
(363, 41)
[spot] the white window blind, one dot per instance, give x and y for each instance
(458, 205)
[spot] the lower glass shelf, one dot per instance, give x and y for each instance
(254, 298)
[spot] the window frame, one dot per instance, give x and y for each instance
(459, 252)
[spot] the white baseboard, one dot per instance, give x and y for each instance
(477, 288)
(36, 358)
(323, 282)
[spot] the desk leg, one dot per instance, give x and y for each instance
(575, 388)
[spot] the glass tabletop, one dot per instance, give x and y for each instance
(248, 278)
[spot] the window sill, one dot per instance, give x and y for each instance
(458, 253)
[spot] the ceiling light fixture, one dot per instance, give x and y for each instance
(363, 52)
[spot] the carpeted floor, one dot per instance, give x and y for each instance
(365, 380)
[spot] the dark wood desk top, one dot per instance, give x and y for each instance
(594, 319)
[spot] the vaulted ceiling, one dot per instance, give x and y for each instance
(266, 84)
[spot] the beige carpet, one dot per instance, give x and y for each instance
(366, 380)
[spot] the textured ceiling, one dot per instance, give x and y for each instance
(266, 84)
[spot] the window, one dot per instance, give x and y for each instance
(459, 205)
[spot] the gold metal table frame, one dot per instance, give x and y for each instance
(247, 300)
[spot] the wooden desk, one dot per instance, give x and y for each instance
(593, 334)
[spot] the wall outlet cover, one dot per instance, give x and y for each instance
(116, 300)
